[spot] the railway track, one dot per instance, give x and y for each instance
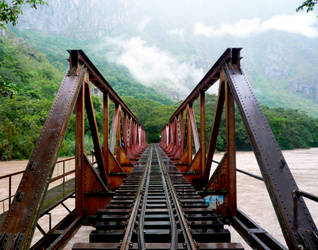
(156, 208)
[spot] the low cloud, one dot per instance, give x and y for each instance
(305, 25)
(153, 66)
(176, 32)
(144, 22)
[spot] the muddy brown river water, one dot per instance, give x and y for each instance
(252, 197)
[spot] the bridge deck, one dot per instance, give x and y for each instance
(157, 208)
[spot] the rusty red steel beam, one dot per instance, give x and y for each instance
(296, 222)
(114, 128)
(80, 149)
(202, 133)
(106, 131)
(181, 133)
(215, 128)
(298, 227)
(230, 149)
(20, 222)
(94, 131)
(194, 129)
(125, 131)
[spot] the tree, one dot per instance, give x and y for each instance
(308, 5)
(7, 88)
(11, 9)
(9, 13)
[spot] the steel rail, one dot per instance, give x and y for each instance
(244, 172)
(62, 175)
(174, 233)
(12, 174)
(132, 219)
(250, 174)
(305, 194)
(183, 223)
(141, 236)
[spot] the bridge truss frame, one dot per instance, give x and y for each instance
(180, 138)
(121, 147)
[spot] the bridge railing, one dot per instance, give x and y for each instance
(5, 201)
(186, 146)
(64, 169)
(123, 142)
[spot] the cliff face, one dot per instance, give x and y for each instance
(307, 88)
(76, 18)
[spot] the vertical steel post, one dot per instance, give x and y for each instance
(106, 132)
(167, 136)
(189, 133)
(9, 191)
(182, 133)
(125, 132)
(230, 149)
(202, 133)
(194, 129)
(63, 176)
(79, 151)
(215, 127)
(118, 134)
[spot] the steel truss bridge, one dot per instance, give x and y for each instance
(141, 196)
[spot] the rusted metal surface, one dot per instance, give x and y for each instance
(296, 222)
(94, 131)
(80, 150)
(215, 128)
(194, 129)
(57, 236)
(230, 150)
(202, 133)
(21, 219)
(157, 189)
(106, 132)
(254, 235)
(276, 174)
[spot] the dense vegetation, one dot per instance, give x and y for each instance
(37, 80)
(55, 50)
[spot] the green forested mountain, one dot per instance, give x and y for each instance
(168, 45)
(36, 68)
(55, 49)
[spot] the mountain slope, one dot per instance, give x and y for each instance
(23, 115)
(126, 35)
(55, 49)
